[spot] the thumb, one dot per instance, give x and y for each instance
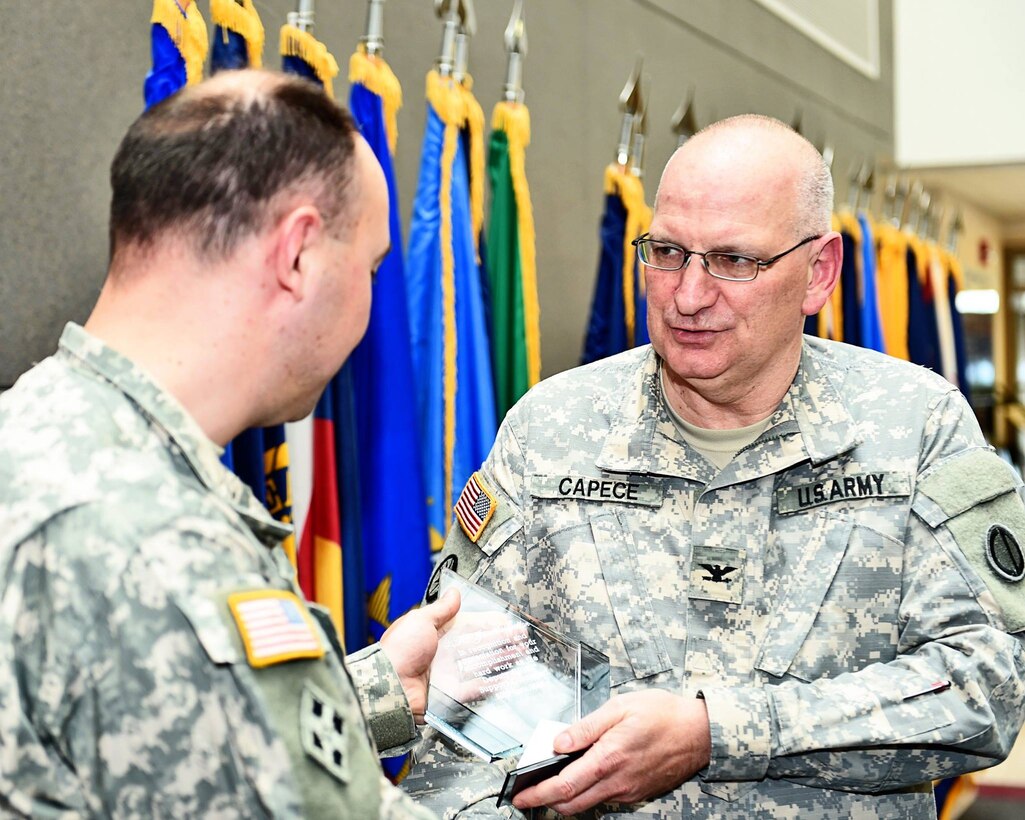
(587, 730)
(444, 609)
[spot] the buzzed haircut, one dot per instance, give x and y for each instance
(814, 188)
(214, 164)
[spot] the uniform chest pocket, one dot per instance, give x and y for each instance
(585, 580)
(838, 611)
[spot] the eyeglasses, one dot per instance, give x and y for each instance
(734, 267)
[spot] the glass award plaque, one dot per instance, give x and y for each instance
(500, 673)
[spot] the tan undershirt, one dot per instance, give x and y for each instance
(718, 446)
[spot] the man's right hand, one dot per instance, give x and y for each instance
(411, 643)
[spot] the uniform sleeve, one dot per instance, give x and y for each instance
(383, 700)
(953, 698)
(446, 779)
(474, 553)
(39, 682)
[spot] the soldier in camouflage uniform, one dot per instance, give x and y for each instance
(802, 559)
(156, 656)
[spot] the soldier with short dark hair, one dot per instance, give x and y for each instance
(157, 658)
(802, 559)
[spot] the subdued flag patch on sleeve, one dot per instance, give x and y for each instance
(475, 507)
(275, 627)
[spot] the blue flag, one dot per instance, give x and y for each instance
(397, 558)
(619, 314)
(178, 45)
(451, 355)
(871, 321)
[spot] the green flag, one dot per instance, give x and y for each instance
(516, 343)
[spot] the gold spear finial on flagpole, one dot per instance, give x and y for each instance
(629, 104)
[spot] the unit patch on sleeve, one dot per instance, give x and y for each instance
(798, 497)
(1004, 554)
(323, 731)
(275, 627)
(475, 507)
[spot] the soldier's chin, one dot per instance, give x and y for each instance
(294, 412)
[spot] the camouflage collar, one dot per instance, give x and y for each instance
(812, 406)
(172, 421)
(826, 425)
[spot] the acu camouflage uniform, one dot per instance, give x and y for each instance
(828, 592)
(125, 689)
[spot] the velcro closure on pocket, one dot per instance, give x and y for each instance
(207, 615)
(966, 480)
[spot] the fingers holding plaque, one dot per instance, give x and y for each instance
(499, 674)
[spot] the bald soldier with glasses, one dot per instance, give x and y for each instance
(813, 598)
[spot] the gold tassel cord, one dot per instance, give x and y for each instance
(514, 120)
(376, 76)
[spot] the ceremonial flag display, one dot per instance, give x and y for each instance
(238, 35)
(896, 295)
(178, 42)
(397, 556)
(619, 308)
(516, 335)
(451, 355)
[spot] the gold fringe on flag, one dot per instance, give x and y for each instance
(302, 44)
(448, 302)
(376, 76)
(185, 25)
(244, 21)
(514, 120)
(630, 190)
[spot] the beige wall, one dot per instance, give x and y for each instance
(73, 74)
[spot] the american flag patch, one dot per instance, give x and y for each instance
(475, 507)
(274, 626)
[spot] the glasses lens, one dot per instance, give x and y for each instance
(661, 255)
(731, 266)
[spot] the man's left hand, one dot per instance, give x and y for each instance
(644, 744)
(411, 643)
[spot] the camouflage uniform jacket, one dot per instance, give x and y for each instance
(846, 594)
(126, 688)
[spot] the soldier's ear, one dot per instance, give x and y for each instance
(295, 241)
(823, 272)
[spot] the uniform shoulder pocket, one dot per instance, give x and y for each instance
(206, 615)
(976, 497)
